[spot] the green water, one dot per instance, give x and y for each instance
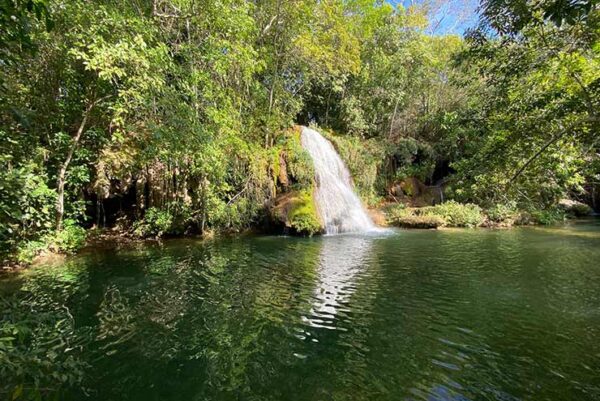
(415, 315)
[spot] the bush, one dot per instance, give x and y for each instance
(28, 250)
(174, 220)
(503, 213)
(364, 159)
(547, 216)
(26, 205)
(400, 216)
(581, 210)
(69, 240)
(456, 214)
(396, 211)
(574, 208)
(155, 223)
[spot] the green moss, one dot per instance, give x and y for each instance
(275, 166)
(412, 221)
(302, 215)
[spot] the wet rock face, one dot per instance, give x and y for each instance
(295, 213)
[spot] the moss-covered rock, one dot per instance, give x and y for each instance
(296, 213)
(413, 221)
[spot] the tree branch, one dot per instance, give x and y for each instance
(547, 145)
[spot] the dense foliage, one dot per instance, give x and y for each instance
(174, 116)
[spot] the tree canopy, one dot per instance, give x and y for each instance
(184, 108)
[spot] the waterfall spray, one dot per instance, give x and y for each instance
(338, 205)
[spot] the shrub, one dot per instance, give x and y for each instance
(364, 160)
(299, 166)
(28, 250)
(503, 213)
(581, 210)
(69, 240)
(456, 214)
(396, 211)
(155, 223)
(574, 208)
(401, 216)
(173, 220)
(26, 205)
(547, 216)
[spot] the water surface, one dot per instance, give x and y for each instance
(417, 315)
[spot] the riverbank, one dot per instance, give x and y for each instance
(448, 215)
(454, 214)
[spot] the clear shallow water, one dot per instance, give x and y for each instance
(417, 315)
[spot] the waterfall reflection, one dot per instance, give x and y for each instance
(342, 260)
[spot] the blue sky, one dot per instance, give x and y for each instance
(447, 16)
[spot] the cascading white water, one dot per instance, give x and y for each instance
(338, 205)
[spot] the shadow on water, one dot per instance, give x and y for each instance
(419, 315)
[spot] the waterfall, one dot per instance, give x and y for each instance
(337, 204)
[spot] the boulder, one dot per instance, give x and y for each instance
(295, 213)
(575, 208)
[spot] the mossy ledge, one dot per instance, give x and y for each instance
(295, 213)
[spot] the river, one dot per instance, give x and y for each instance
(408, 315)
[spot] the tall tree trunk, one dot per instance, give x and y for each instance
(62, 172)
(60, 182)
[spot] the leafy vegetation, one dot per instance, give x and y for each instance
(68, 240)
(455, 214)
(449, 214)
(177, 116)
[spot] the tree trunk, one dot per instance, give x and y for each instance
(60, 182)
(62, 173)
